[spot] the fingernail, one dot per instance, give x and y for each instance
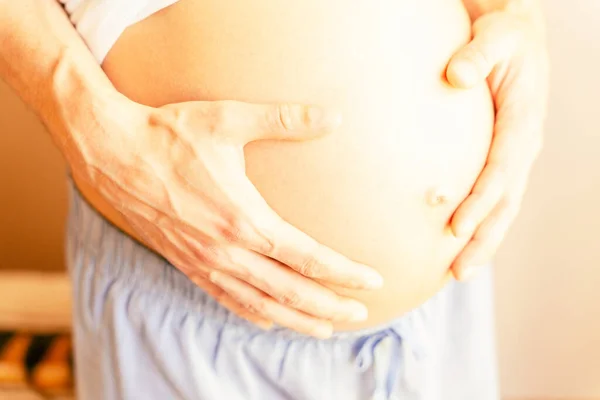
(359, 312)
(323, 331)
(464, 73)
(372, 280)
(319, 118)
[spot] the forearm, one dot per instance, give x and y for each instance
(48, 65)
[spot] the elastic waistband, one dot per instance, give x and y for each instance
(117, 257)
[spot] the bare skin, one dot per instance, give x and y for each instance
(478, 217)
(382, 188)
(480, 222)
(109, 142)
(509, 51)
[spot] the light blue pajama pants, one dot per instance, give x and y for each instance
(143, 331)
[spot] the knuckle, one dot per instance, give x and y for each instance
(233, 230)
(290, 298)
(237, 267)
(168, 116)
(310, 267)
(284, 117)
(218, 117)
(240, 272)
(259, 306)
(265, 244)
(476, 55)
(225, 298)
(198, 276)
(210, 255)
(249, 308)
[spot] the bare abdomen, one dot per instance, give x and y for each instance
(406, 134)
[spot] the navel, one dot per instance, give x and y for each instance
(437, 196)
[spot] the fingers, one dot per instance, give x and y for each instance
(482, 200)
(516, 144)
(267, 233)
(496, 38)
(292, 247)
(262, 304)
(231, 304)
(291, 289)
(197, 273)
(485, 242)
(247, 122)
(275, 279)
(180, 256)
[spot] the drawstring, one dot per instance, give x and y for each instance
(389, 354)
(382, 352)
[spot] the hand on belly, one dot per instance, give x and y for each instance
(382, 188)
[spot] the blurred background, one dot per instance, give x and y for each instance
(548, 271)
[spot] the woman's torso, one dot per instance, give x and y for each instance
(368, 190)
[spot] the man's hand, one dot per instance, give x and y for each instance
(508, 49)
(177, 175)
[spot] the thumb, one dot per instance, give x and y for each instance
(249, 122)
(495, 39)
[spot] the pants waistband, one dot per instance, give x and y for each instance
(119, 257)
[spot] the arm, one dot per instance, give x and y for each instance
(176, 175)
(47, 64)
(529, 10)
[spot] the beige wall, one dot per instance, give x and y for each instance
(549, 268)
(548, 271)
(32, 195)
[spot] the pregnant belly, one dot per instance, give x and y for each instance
(382, 188)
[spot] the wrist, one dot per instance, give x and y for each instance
(478, 8)
(47, 64)
(528, 11)
(73, 85)
(83, 111)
